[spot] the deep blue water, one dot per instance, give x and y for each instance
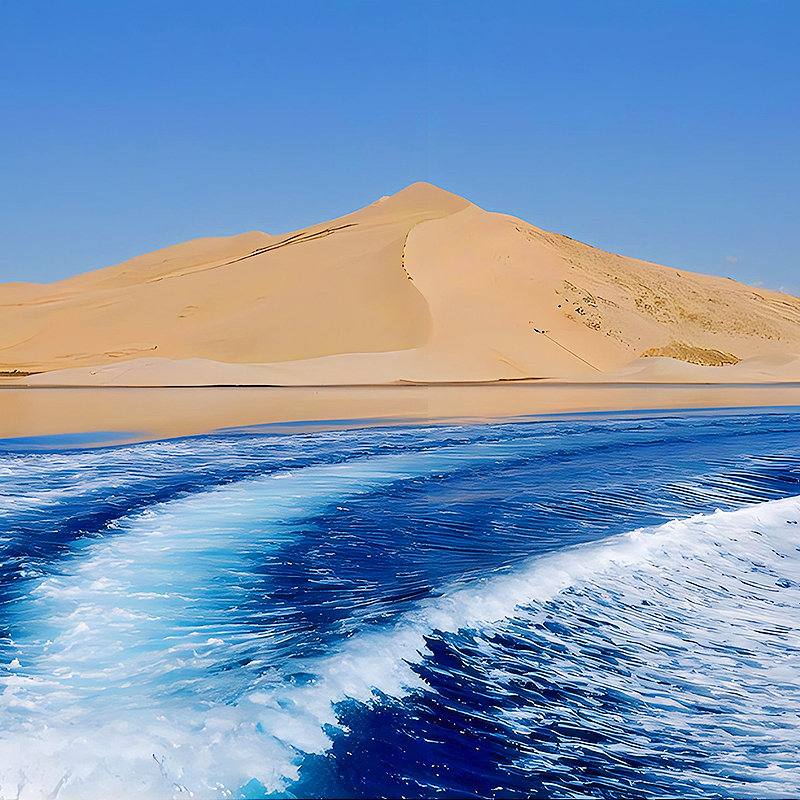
(578, 607)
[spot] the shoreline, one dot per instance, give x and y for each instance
(161, 412)
(401, 384)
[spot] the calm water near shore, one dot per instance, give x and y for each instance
(603, 606)
(157, 412)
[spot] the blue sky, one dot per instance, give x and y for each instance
(663, 130)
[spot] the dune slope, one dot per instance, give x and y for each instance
(420, 286)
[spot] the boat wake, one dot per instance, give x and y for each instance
(521, 610)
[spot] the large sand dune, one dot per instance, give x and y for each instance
(422, 286)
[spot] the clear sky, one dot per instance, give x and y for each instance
(659, 129)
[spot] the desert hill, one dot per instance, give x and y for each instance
(420, 286)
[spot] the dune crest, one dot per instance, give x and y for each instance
(420, 286)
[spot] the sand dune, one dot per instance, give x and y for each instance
(422, 286)
(767, 369)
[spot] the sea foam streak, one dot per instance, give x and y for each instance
(737, 572)
(62, 733)
(117, 683)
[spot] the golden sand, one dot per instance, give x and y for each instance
(422, 286)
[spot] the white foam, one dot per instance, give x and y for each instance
(120, 649)
(382, 660)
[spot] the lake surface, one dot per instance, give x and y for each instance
(600, 606)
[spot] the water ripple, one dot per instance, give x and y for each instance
(598, 607)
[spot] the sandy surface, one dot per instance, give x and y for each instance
(149, 413)
(384, 367)
(421, 286)
(778, 367)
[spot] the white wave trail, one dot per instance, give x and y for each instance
(116, 689)
(688, 551)
(89, 713)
